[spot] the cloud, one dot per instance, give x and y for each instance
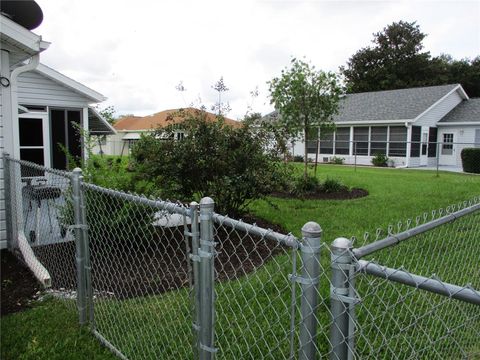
(135, 53)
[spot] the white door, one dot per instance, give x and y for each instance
(424, 149)
(34, 141)
(448, 154)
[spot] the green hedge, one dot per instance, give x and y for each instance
(471, 160)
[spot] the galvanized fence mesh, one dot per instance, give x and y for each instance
(156, 279)
(416, 298)
(39, 227)
(253, 290)
(140, 274)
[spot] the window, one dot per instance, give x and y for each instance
(65, 135)
(179, 135)
(447, 146)
(378, 140)
(342, 141)
(398, 138)
(311, 146)
(31, 144)
(360, 138)
(326, 143)
(432, 142)
(415, 144)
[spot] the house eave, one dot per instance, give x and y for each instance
(376, 122)
(25, 42)
(463, 123)
(92, 95)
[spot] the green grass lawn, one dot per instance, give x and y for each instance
(253, 311)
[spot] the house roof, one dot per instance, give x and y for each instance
(19, 42)
(97, 125)
(391, 105)
(467, 111)
(402, 104)
(161, 119)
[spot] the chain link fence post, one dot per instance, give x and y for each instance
(340, 298)
(194, 234)
(88, 267)
(206, 254)
(79, 245)
(310, 253)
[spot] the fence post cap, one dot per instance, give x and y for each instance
(193, 203)
(207, 202)
(342, 243)
(311, 229)
(77, 170)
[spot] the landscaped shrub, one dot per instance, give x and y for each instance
(303, 186)
(332, 185)
(337, 160)
(214, 159)
(471, 160)
(380, 160)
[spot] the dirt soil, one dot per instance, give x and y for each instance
(344, 194)
(18, 286)
(135, 268)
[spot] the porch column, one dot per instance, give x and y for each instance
(409, 144)
(85, 130)
(6, 102)
(350, 146)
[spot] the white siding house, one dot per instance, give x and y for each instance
(407, 125)
(38, 101)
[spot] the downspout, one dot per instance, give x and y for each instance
(32, 64)
(29, 256)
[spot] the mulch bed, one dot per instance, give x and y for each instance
(128, 269)
(19, 286)
(344, 194)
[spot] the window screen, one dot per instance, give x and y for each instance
(378, 140)
(432, 142)
(342, 141)
(398, 138)
(360, 138)
(326, 143)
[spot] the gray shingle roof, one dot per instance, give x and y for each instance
(466, 111)
(402, 104)
(391, 104)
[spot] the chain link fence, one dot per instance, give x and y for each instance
(157, 279)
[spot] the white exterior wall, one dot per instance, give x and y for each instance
(36, 89)
(435, 114)
(113, 146)
(464, 137)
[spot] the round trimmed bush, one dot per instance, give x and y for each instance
(471, 160)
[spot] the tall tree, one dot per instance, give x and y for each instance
(397, 60)
(306, 99)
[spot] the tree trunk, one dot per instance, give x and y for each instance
(305, 175)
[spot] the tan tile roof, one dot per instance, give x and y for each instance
(161, 119)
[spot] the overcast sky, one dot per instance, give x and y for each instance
(136, 52)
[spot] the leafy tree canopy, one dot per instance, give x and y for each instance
(305, 98)
(397, 60)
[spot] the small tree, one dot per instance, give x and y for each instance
(306, 100)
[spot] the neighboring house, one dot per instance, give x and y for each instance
(130, 128)
(403, 124)
(40, 108)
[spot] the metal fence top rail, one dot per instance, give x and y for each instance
(434, 285)
(168, 206)
(394, 239)
(63, 173)
(288, 240)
